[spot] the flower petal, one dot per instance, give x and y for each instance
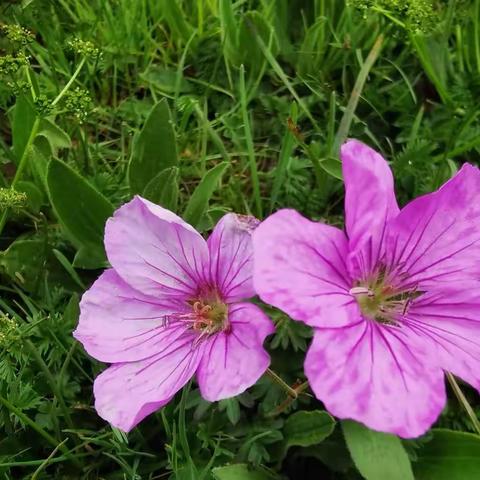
(435, 239)
(231, 256)
(126, 393)
(299, 267)
(372, 374)
(155, 251)
(369, 202)
(449, 324)
(120, 324)
(235, 360)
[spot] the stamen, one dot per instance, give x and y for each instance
(207, 317)
(380, 300)
(361, 291)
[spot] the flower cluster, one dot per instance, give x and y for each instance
(393, 300)
(11, 198)
(77, 102)
(18, 34)
(84, 48)
(9, 64)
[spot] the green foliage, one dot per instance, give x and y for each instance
(200, 197)
(206, 107)
(449, 455)
(305, 429)
(376, 455)
(242, 472)
(155, 148)
(81, 210)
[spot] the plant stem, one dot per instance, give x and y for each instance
(464, 402)
(69, 83)
(28, 421)
(289, 400)
(347, 118)
(279, 381)
(249, 142)
(21, 166)
(213, 134)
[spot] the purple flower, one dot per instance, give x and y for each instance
(171, 307)
(394, 302)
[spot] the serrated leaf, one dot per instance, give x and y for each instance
(200, 198)
(304, 429)
(376, 455)
(450, 455)
(154, 148)
(80, 208)
(163, 189)
(242, 471)
(57, 138)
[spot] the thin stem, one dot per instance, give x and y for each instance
(48, 460)
(69, 83)
(249, 142)
(213, 134)
(347, 118)
(464, 402)
(21, 166)
(279, 381)
(288, 401)
(28, 421)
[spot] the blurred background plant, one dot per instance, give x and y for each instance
(208, 106)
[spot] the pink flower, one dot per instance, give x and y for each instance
(394, 302)
(172, 307)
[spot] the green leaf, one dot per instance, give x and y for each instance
(332, 452)
(165, 80)
(154, 148)
(254, 24)
(210, 218)
(68, 268)
(449, 455)
(232, 407)
(200, 198)
(57, 138)
(242, 471)
(35, 196)
(377, 455)
(24, 117)
(333, 166)
(229, 31)
(304, 429)
(23, 262)
(38, 163)
(163, 189)
(176, 19)
(80, 208)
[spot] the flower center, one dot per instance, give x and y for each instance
(208, 315)
(383, 303)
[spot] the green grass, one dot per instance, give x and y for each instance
(261, 94)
